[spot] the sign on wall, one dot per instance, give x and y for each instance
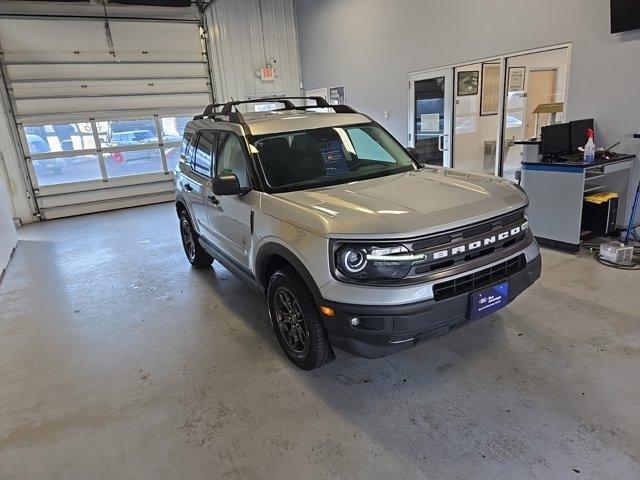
(516, 79)
(490, 91)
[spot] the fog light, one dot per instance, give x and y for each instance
(355, 321)
(328, 311)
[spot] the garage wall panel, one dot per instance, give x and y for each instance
(247, 35)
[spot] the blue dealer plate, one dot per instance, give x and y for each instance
(486, 301)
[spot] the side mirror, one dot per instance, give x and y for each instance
(226, 185)
(414, 153)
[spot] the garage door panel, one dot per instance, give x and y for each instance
(76, 198)
(73, 40)
(178, 41)
(107, 87)
(49, 106)
(42, 40)
(104, 205)
(89, 186)
(105, 71)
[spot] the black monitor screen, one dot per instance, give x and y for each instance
(625, 15)
(579, 132)
(556, 139)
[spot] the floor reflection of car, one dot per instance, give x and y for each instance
(48, 165)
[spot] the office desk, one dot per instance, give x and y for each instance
(556, 190)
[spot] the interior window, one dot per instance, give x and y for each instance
(231, 159)
(202, 159)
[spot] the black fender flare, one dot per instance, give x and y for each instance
(181, 201)
(272, 248)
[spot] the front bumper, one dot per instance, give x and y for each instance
(386, 329)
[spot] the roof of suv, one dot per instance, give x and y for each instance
(287, 119)
(275, 121)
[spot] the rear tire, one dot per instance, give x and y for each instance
(296, 321)
(196, 255)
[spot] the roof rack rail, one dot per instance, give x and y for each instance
(236, 117)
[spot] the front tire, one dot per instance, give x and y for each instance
(296, 321)
(196, 255)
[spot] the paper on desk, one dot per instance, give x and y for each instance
(600, 197)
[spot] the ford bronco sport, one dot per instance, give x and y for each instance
(356, 244)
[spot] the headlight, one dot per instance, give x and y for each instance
(352, 260)
(370, 262)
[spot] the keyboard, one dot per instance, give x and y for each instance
(577, 157)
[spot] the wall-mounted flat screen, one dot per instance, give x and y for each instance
(625, 15)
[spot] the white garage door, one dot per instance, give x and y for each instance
(101, 111)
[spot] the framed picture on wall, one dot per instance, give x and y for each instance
(336, 95)
(490, 88)
(515, 78)
(468, 83)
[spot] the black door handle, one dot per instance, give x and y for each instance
(188, 187)
(213, 199)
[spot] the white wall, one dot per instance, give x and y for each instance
(245, 35)
(8, 237)
(371, 45)
(12, 168)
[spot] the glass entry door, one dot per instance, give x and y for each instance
(430, 116)
(533, 80)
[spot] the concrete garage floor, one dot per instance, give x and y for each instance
(119, 361)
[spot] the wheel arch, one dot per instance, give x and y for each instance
(273, 256)
(181, 205)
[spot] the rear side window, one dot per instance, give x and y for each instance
(202, 161)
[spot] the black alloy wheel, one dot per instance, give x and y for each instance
(187, 239)
(196, 255)
(296, 320)
(290, 320)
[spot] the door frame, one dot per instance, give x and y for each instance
(447, 73)
(502, 58)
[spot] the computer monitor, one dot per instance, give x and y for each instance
(556, 139)
(579, 132)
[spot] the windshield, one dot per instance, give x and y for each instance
(329, 156)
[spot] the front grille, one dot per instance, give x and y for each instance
(462, 237)
(473, 281)
(467, 232)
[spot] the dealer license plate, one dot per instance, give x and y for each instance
(488, 300)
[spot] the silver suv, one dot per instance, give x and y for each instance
(355, 243)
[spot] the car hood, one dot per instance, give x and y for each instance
(409, 204)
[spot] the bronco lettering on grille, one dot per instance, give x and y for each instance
(484, 242)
